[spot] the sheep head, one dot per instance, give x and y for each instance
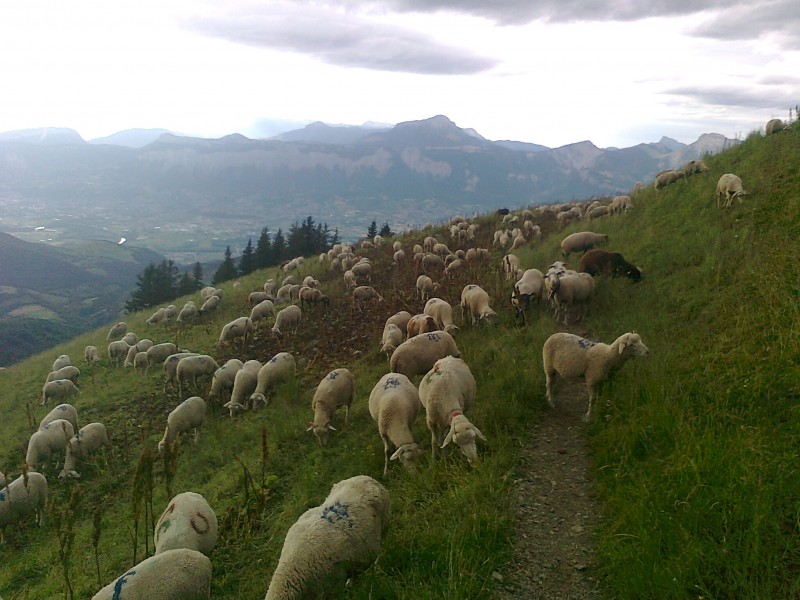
(407, 454)
(464, 434)
(631, 344)
(321, 431)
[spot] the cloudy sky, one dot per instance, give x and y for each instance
(553, 72)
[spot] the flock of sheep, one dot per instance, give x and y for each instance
(348, 525)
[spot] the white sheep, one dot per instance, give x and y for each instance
(179, 574)
(270, 286)
(447, 391)
(59, 389)
(597, 212)
(191, 367)
(572, 291)
(117, 351)
(158, 353)
(244, 384)
(310, 295)
(132, 351)
(238, 328)
(187, 416)
(418, 354)
(426, 287)
(432, 263)
(286, 321)
(330, 540)
(363, 294)
(89, 439)
(255, 297)
(400, 319)
(91, 356)
(774, 126)
(130, 338)
(399, 257)
(362, 272)
(141, 362)
(210, 305)
(68, 372)
(207, 292)
(187, 522)
(392, 337)
(52, 437)
(619, 204)
(569, 356)
(171, 367)
(60, 362)
(336, 389)
(530, 285)
(394, 404)
(62, 411)
(23, 497)
(729, 186)
(581, 242)
(442, 312)
(159, 316)
(188, 313)
(117, 331)
(224, 378)
(276, 370)
(475, 301)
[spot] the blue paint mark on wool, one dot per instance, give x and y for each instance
(335, 512)
(121, 582)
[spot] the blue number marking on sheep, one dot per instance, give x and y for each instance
(335, 512)
(121, 582)
(391, 383)
(62, 407)
(434, 337)
(585, 343)
(274, 359)
(2, 496)
(333, 375)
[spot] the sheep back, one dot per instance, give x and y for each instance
(418, 354)
(187, 522)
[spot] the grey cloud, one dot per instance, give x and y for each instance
(759, 98)
(750, 21)
(343, 39)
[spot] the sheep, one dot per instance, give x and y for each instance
(420, 324)
(774, 126)
(91, 355)
(117, 331)
(426, 287)
(60, 362)
(475, 300)
(597, 262)
(132, 351)
(89, 439)
(210, 305)
(400, 319)
(693, 167)
(453, 268)
(68, 372)
(511, 266)
(440, 250)
(52, 437)
(336, 389)
(392, 337)
(569, 356)
(207, 292)
(349, 279)
(597, 212)
(117, 351)
(363, 294)
(581, 242)
(309, 295)
(278, 369)
(58, 389)
(130, 338)
(530, 285)
(179, 574)
(23, 497)
(140, 361)
(238, 328)
(224, 378)
(159, 352)
(190, 367)
(442, 312)
(62, 411)
(188, 415)
(394, 404)
(428, 243)
(331, 540)
(619, 204)
(362, 272)
(431, 263)
(144, 345)
(399, 257)
(447, 391)
(729, 186)
(270, 287)
(572, 291)
(171, 367)
(417, 355)
(187, 522)
(664, 178)
(287, 321)
(157, 317)
(188, 313)
(244, 384)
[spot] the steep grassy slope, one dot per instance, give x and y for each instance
(696, 448)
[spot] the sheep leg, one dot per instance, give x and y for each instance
(550, 379)
(386, 454)
(592, 398)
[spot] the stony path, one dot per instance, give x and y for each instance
(558, 509)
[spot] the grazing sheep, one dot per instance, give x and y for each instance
(418, 354)
(447, 391)
(58, 389)
(581, 242)
(774, 126)
(188, 313)
(190, 367)
(171, 367)
(336, 389)
(255, 297)
(140, 361)
(276, 370)
(179, 574)
(399, 257)
(68, 372)
(619, 204)
(420, 324)
(23, 497)
(426, 287)
(224, 378)
(453, 268)
(400, 319)
(394, 404)
(91, 356)
(210, 305)
(569, 356)
(62, 411)
(363, 272)
(207, 292)
(157, 317)
(262, 310)
(392, 337)
(572, 291)
(363, 294)
(244, 384)
(284, 294)
(187, 522)
(132, 351)
(52, 437)
(597, 212)
(117, 331)
(89, 439)
(693, 167)
(270, 287)
(144, 345)
(117, 351)
(665, 178)
(309, 295)
(432, 263)
(729, 186)
(188, 415)
(329, 541)
(530, 285)
(475, 300)
(159, 352)
(130, 338)
(287, 321)
(601, 262)
(238, 328)
(61, 362)
(443, 313)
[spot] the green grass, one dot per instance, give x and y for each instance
(695, 449)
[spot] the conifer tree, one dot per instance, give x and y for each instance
(186, 285)
(227, 270)
(247, 263)
(263, 249)
(386, 231)
(154, 285)
(197, 275)
(372, 231)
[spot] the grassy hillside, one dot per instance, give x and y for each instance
(695, 449)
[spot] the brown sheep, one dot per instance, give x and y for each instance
(601, 262)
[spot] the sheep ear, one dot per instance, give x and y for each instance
(331, 427)
(310, 426)
(396, 455)
(448, 438)
(479, 434)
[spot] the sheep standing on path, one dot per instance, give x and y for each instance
(394, 404)
(569, 356)
(187, 416)
(23, 497)
(335, 390)
(331, 540)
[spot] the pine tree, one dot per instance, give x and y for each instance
(154, 285)
(372, 231)
(186, 285)
(197, 275)
(247, 263)
(263, 249)
(386, 231)
(279, 250)
(227, 270)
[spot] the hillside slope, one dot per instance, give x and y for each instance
(694, 449)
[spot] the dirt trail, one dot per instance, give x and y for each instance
(557, 508)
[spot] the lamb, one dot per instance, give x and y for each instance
(336, 389)
(330, 540)
(188, 415)
(572, 291)
(68, 372)
(238, 328)
(190, 367)
(600, 262)
(310, 295)
(224, 378)
(52, 437)
(569, 356)
(442, 312)
(60, 362)
(475, 300)
(287, 321)
(730, 186)
(23, 497)
(179, 574)
(117, 331)
(140, 361)
(447, 391)
(394, 404)
(244, 384)
(417, 355)
(363, 294)
(159, 352)
(188, 313)
(89, 439)
(187, 522)
(420, 324)
(426, 287)
(117, 351)
(392, 337)
(581, 242)
(278, 369)
(62, 411)
(58, 389)
(91, 356)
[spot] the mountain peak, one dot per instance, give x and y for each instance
(44, 136)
